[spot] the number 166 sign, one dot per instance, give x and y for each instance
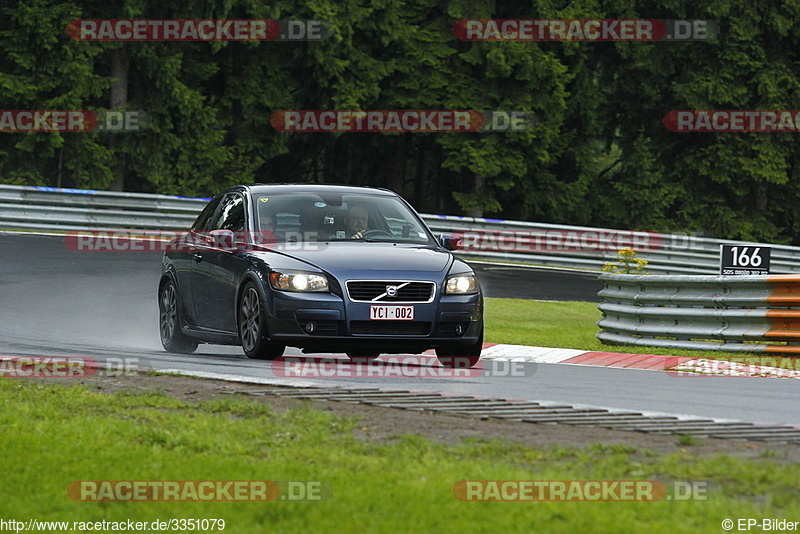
(744, 260)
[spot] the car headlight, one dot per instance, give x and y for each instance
(463, 284)
(295, 281)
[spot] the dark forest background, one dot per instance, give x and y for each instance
(600, 155)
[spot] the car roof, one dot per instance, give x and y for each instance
(259, 189)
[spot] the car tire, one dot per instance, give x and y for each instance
(169, 321)
(252, 326)
(460, 356)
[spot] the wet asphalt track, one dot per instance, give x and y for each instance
(54, 302)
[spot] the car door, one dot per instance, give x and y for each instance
(182, 261)
(214, 273)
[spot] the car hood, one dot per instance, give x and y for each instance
(342, 258)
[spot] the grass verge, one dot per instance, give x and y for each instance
(54, 435)
(573, 325)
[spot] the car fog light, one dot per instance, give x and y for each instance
(310, 327)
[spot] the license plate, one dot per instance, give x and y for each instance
(391, 313)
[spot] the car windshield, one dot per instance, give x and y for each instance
(307, 217)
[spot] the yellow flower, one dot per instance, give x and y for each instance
(626, 263)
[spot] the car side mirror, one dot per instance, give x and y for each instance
(223, 239)
(450, 241)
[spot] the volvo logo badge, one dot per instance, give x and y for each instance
(391, 291)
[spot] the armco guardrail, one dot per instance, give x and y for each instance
(730, 313)
(589, 248)
(581, 247)
(47, 208)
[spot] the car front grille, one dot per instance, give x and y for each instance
(376, 291)
(390, 328)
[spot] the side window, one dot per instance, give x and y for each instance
(202, 223)
(230, 215)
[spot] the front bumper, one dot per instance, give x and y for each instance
(328, 323)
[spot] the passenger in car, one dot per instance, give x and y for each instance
(265, 233)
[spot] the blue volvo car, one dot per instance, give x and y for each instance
(322, 268)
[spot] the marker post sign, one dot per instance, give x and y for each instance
(743, 260)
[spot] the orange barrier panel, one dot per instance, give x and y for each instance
(786, 349)
(785, 290)
(785, 324)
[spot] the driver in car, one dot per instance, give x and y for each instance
(357, 222)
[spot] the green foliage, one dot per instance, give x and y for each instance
(599, 155)
(727, 184)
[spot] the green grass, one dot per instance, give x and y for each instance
(54, 435)
(573, 325)
(689, 440)
(542, 323)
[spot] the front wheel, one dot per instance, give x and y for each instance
(253, 327)
(461, 356)
(169, 322)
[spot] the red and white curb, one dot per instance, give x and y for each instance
(677, 365)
